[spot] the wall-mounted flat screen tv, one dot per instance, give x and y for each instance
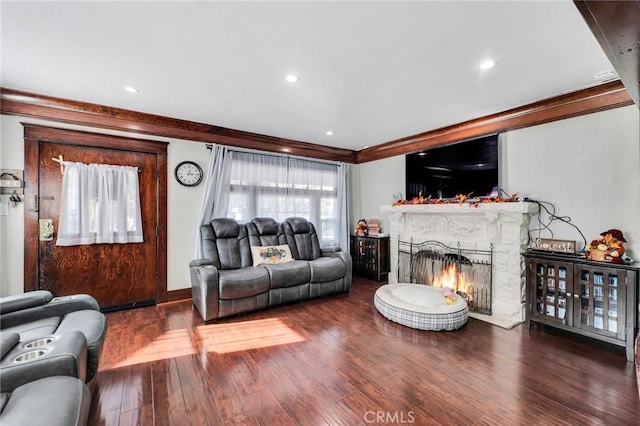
(469, 168)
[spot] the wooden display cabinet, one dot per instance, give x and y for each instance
(594, 299)
(370, 257)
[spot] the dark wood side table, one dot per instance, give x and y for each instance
(370, 256)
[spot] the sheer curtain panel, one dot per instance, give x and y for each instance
(279, 187)
(216, 190)
(100, 204)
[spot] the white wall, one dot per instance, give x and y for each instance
(183, 211)
(11, 226)
(588, 167)
(373, 185)
(183, 206)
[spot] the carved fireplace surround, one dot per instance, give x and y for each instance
(505, 225)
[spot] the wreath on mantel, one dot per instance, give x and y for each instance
(459, 199)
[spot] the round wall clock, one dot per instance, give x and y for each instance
(188, 173)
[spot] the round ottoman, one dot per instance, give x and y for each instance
(420, 306)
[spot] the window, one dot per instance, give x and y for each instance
(99, 204)
(281, 187)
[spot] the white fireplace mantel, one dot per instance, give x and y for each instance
(505, 225)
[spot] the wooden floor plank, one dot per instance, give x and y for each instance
(336, 360)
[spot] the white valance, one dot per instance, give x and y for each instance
(100, 203)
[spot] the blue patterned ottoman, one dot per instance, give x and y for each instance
(420, 306)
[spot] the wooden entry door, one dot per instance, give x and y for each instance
(117, 275)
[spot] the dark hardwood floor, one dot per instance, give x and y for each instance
(336, 361)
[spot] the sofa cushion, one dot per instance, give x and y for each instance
(53, 401)
(270, 255)
(290, 274)
(266, 225)
(245, 282)
(327, 269)
(35, 329)
(265, 231)
(225, 242)
(302, 238)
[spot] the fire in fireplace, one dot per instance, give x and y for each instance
(466, 271)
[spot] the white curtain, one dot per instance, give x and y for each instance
(216, 191)
(100, 203)
(264, 185)
(343, 206)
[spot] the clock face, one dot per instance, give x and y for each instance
(188, 173)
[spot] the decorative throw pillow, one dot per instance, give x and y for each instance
(271, 254)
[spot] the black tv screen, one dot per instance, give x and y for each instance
(469, 168)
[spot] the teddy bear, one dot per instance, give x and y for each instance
(361, 228)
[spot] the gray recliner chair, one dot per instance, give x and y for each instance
(231, 285)
(38, 316)
(43, 384)
(49, 353)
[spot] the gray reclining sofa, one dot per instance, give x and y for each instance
(49, 354)
(226, 282)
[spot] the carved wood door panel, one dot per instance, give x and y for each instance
(117, 275)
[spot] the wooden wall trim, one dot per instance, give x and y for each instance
(162, 257)
(181, 294)
(599, 98)
(616, 26)
(54, 134)
(15, 102)
(31, 185)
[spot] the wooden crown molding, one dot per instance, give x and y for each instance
(615, 24)
(599, 98)
(594, 99)
(15, 102)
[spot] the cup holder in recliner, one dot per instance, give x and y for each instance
(30, 356)
(40, 342)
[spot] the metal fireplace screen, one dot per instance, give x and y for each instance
(429, 261)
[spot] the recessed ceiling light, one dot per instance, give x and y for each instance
(487, 64)
(328, 133)
(131, 89)
(291, 78)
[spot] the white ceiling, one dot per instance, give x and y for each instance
(369, 71)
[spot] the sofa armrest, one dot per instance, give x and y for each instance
(326, 250)
(57, 307)
(346, 258)
(204, 288)
(202, 262)
(60, 354)
(18, 302)
(8, 340)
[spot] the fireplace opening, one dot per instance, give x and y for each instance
(467, 271)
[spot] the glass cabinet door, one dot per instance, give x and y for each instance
(552, 291)
(601, 300)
